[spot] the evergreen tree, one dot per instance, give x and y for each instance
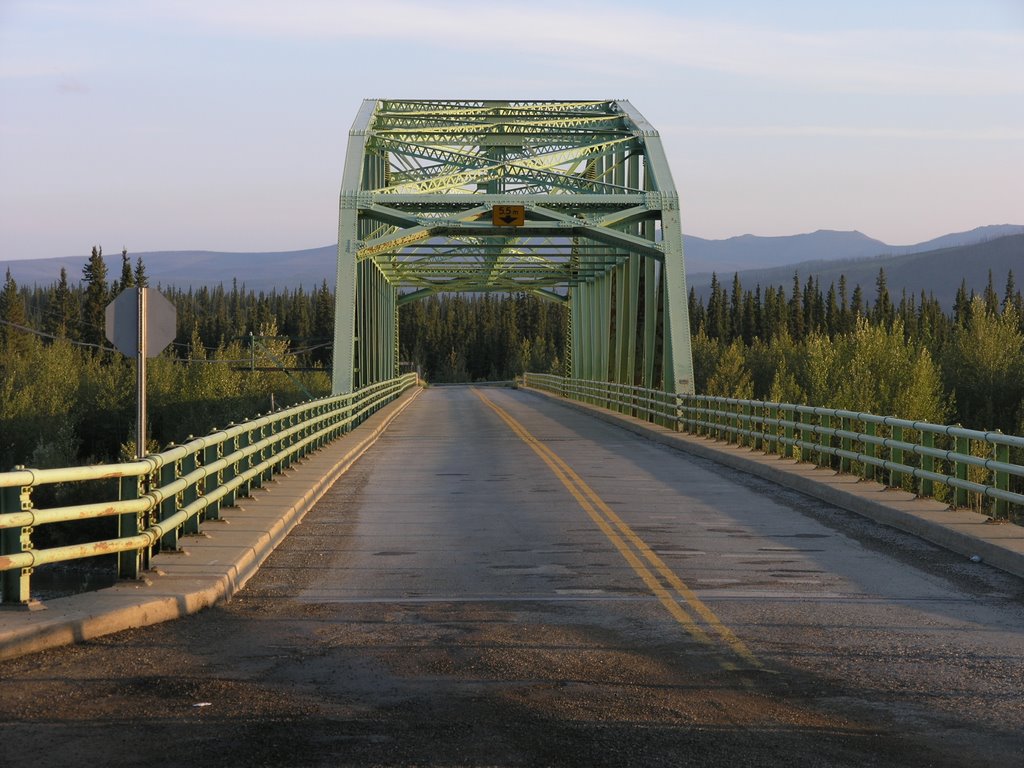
(833, 317)
(63, 311)
(14, 341)
(990, 297)
(140, 277)
(962, 305)
(736, 329)
(718, 318)
(796, 311)
(1012, 297)
(127, 278)
(97, 296)
(857, 308)
(883, 311)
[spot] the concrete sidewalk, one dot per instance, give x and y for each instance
(961, 531)
(212, 567)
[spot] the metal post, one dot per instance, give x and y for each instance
(168, 474)
(927, 488)
(896, 456)
(130, 564)
(788, 448)
(869, 450)
(963, 447)
(140, 376)
(1002, 479)
(14, 584)
(825, 440)
(846, 444)
(211, 454)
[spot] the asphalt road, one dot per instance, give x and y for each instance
(505, 581)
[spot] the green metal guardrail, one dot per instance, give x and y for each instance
(168, 494)
(963, 467)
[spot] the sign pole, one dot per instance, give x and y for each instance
(140, 378)
(140, 325)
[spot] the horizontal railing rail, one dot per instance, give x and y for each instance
(155, 500)
(962, 467)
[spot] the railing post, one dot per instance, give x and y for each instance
(896, 456)
(189, 464)
(15, 587)
(168, 474)
(963, 448)
(846, 443)
(210, 455)
(131, 563)
(260, 455)
(1002, 479)
(804, 453)
(229, 472)
(825, 440)
(927, 487)
(870, 430)
(787, 431)
(245, 463)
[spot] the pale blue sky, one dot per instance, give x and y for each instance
(221, 124)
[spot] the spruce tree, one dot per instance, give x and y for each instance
(796, 311)
(127, 278)
(883, 312)
(13, 340)
(97, 296)
(141, 279)
(63, 312)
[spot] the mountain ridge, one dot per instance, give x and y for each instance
(756, 258)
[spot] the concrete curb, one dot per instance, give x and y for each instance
(961, 531)
(213, 566)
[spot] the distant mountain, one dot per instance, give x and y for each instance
(754, 252)
(938, 272)
(309, 268)
(257, 271)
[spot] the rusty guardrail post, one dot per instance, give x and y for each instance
(15, 583)
(131, 563)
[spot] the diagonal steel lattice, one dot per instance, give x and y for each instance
(572, 201)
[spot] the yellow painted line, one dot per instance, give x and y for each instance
(604, 516)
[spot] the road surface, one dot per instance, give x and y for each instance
(505, 581)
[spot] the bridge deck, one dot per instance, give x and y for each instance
(503, 580)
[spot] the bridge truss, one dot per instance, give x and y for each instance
(571, 201)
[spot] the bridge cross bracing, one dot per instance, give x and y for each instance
(600, 230)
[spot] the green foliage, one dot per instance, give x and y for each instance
(984, 366)
(453, 337)
(731, 377)
(62, 403)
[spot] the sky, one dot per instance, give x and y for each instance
(222, 124)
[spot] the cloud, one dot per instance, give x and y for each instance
(595, 37)
(71, 85)
(993, 133)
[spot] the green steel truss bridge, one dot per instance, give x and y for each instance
(572, 201)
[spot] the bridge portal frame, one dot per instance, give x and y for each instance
(599, 232)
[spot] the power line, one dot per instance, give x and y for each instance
(57, 338)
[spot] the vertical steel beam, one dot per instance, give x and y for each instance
(342, 380)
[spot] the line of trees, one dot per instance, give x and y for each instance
(837, 349)
(65, 398)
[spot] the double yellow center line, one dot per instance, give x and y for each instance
(680, 601)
